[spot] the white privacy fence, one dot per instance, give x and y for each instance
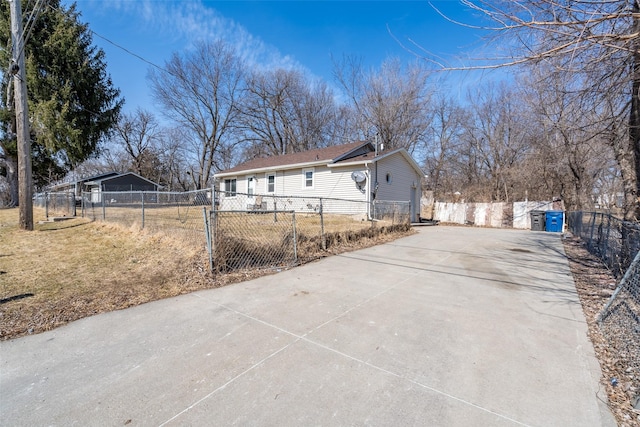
(497, 214)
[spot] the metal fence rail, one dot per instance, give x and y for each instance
(178, 214)
(243, 231)
(613, 240)
(617, 243)
(236, 201)
(394, 212)
(56, 203)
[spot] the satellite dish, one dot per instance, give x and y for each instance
(358, 177)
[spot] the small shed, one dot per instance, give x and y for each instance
(120, 182)
(105, 182)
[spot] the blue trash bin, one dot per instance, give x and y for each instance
(554, 221)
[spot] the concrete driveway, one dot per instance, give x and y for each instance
(452, 326)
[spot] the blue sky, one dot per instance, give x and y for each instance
(303, 34)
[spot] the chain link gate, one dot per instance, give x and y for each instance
(239, 240)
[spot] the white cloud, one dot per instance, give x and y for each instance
(186, 22)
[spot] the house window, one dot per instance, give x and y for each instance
(389, 178)
(230, 187)
(271, 183)
(307, 177)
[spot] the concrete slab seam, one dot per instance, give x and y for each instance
(304, 337)
(440, 392)
(298, 338)
(202, 399)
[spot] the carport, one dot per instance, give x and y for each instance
(452, 326)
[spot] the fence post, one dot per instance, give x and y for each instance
(601, 243)
(214, 233)
(142, 196)
(207, 233)
(375, 213)
(295, 239)
(104, 216)
(394, 221)
(323, 238)
(593, 226)
(46, 204)
(608, 253)
(275, 211)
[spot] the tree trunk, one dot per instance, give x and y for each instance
(632, 207)
(11, 165)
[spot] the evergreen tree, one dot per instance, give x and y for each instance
(72, 102)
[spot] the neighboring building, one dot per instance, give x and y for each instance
(111, 181)
(350, 171)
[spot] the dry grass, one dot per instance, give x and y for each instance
(71, 269)
(67, 270)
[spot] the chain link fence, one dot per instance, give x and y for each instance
(391, 212)
(617, 243)
(56, 204)
(620, 323)
(613, 240)
(271, 231)
(253, 240)
(246, 231)
(179, 214)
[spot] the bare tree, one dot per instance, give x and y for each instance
(595, 42)
(284, 113)
(445, 132)
(172, 148)
(199, 91)
(392, 103)
(496, 138)
(570, 136)
(137, 134)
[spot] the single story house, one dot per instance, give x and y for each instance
(350, 172)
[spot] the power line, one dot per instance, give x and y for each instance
(33, 17)
(131, 53)
(119, 46)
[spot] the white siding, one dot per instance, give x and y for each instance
(404, 185)
(336, 183)
(403, 178)
(327, 182)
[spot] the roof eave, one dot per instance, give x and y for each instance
(273, 168)
(353, 163)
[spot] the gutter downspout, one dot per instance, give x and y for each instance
(368, 190)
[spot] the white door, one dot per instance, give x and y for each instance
(251, 191)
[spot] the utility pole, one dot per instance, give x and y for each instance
(25, 182)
